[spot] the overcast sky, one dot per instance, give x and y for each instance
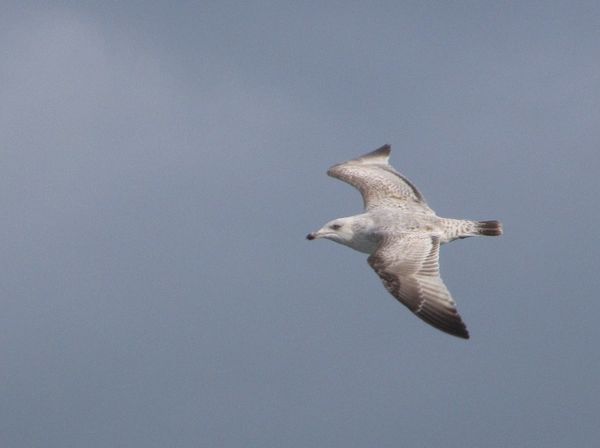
(162, 162)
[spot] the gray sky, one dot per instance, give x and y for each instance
(161, 164)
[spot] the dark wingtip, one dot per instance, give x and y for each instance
(464, 335)
(460, 331)
(385, 150)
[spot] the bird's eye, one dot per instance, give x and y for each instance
(336, 226)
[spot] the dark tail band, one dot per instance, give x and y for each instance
(489, 228)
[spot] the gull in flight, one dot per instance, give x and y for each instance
(402, 236)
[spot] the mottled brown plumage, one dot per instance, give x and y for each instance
(402, 236)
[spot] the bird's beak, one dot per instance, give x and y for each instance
(314, 235)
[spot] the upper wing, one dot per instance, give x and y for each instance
(409, 268)
(378, 182)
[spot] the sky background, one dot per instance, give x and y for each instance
(162, 162)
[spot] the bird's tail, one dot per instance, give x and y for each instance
(488, 228)
(464, 228)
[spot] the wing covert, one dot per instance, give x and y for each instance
(378, 182)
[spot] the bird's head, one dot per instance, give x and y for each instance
(339, 230)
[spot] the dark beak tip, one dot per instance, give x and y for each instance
(310, 236)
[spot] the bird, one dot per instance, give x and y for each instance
(402, 236)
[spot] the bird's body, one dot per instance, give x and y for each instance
(402, 236)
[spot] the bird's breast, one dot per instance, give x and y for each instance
(365, 242)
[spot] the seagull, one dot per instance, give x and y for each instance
(402, 236)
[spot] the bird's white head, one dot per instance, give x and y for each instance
(339, 230)
(354, 231)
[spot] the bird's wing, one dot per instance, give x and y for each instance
(378, 182)
(409, 268)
